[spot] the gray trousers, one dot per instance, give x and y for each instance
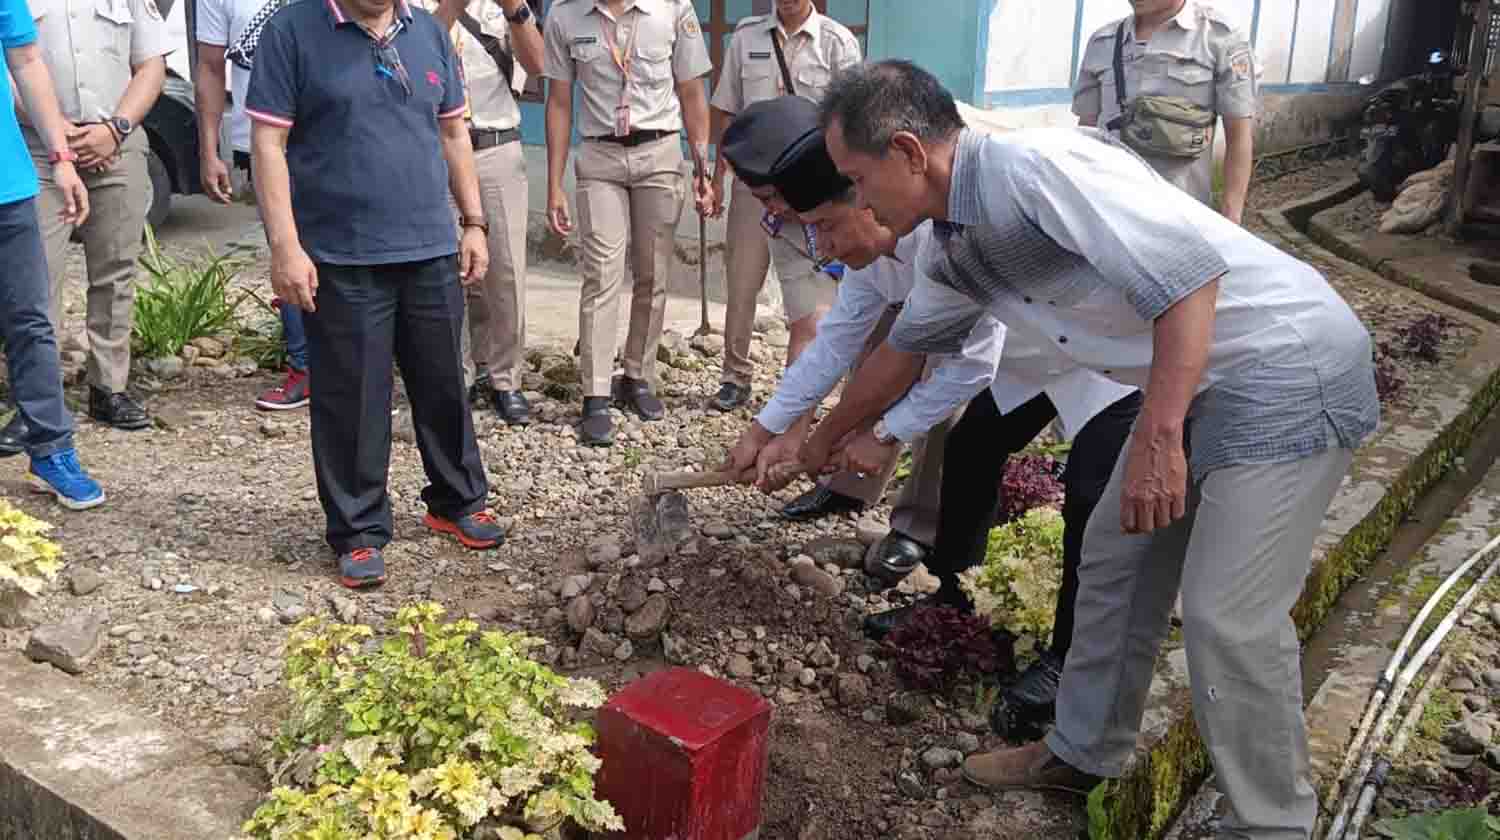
(494, 335)
(1241, 555)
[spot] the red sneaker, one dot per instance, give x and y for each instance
(293, 393)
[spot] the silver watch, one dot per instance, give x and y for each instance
(882, 434)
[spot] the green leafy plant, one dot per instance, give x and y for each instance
(1017, 585)
(431, 734)
(1101, 826)
(1455, 824)
(183, 299)
(262, 341)
(28, 560)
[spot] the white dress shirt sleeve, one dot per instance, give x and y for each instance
(841, 336)
(955, 381)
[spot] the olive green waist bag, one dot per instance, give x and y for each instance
(1159, 126)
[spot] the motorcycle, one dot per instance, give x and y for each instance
(1409, 127)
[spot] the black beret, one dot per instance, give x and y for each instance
(777, 142)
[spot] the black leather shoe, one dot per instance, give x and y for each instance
(879, 625)
(13, 437)
(1027, 706)
(597, 428)
(117, 410)
(730, 397)
(894, 557)
(635, 395)
(512, 407)
(819, 502)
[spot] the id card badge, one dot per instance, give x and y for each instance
(622, 120)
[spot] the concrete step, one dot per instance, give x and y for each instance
(77, 765)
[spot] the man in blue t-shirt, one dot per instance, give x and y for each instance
(30, 346)
(358, 138)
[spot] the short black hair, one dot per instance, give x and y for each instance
(873, 101)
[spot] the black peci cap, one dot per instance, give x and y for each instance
(778, 143)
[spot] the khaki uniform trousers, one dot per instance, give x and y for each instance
(627, 196)
(494, 339)
(748, 254)
(118, 200)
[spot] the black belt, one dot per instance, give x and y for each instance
(488, 138)
(634, 138)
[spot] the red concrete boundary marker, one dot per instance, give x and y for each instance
(684, 757)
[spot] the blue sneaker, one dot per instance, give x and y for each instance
(61, 475)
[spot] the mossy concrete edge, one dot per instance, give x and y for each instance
(1154, 790)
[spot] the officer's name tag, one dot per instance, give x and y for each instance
(586, 39)
(761, 55)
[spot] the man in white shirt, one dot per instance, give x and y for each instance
(1071, 240)
(1028, 391)
(228, 31)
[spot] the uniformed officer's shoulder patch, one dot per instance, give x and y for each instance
(586, 39)
(152, 10)
(1242, 64)
(749, 20)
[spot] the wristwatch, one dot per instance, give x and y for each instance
(121, 126)
(521, 16)
(883, 435)
(475, 222)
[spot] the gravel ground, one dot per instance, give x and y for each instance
(219, 502)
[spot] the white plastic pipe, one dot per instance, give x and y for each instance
(1372, 784)
(1336, 830)
(1356, 747)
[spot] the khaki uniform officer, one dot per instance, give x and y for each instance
(107, 59)
(1186, 49)
(815, 47)
(496, 309)
(637, 65)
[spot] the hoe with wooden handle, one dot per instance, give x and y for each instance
(660, 516)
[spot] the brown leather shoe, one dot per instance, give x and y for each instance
(1032, 767)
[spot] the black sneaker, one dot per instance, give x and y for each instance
(117, 409)
(13, 436)
(730, 397)
(597, 428)
(1027, 706)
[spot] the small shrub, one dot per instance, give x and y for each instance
(937, 645)
(1029, 482)
(1016, 587)
(28, 560)
(182, 300)
(432, 734)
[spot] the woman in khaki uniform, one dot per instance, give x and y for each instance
(637, 66)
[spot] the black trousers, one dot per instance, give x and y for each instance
(973, 464)
(368, 316)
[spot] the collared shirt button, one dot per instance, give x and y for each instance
(1027, 299)
(1062, 339)
(1051, 303)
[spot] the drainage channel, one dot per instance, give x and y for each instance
(1348, 623)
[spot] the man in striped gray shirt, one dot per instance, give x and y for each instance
(1258, 385)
